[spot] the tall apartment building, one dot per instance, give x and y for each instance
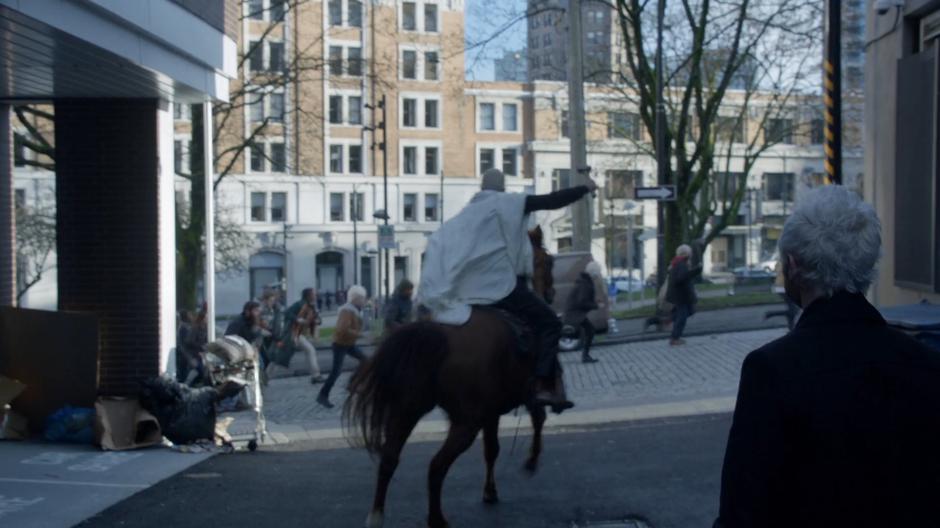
(511, 67)
(602, 41)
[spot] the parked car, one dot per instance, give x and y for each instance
(753, 273)
(768, 265)
(628, 284)
(567, 268)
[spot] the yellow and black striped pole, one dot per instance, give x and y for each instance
(832, 91)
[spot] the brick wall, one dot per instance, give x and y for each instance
(108, 252)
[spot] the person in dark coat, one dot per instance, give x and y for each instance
(248, 324)
(582, 300)
(399, 307)
(681, 291)
(838, 422)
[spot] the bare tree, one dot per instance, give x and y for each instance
(35, 244)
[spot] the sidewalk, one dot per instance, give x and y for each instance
(632, 381)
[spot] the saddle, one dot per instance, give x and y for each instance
(521, 331)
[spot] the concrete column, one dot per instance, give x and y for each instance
(109, 231)
(209, 171)
(7, 214)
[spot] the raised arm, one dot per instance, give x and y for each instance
(555, 200)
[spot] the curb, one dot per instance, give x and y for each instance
(571, 421)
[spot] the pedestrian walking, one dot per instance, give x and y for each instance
(248, 324)
(329, 301)
(301, 321)
(838, 422)
(320, 302)
(348, 331)
(191, 339)
(681, 291)
(581, 300)
(398, 311)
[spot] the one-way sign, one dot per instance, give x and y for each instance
(662, 193)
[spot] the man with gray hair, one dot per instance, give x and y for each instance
(680, 291)
(838, 422)
(483, 256)
(347, 332)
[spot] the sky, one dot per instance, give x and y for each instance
(493, 27)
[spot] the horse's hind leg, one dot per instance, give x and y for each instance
(538, 414)
(490, 452)
(459, 439)
(397, 432)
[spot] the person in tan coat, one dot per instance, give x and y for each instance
(348, 331)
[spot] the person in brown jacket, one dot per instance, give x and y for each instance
(348, 330)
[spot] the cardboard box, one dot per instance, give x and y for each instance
(121, 424)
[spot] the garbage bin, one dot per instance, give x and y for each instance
(921, 321)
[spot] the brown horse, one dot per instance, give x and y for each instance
(474, 372)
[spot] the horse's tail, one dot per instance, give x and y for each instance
(399, 379)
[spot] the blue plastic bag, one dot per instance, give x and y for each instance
(71, 424)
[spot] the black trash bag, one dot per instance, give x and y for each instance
(185, 414)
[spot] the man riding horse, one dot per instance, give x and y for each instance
(483, 257)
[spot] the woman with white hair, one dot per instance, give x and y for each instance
(837, 423)
(681, 291)
(581, 301)
(348, 331)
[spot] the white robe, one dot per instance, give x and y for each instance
(475, 257)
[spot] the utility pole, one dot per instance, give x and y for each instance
(662, 156)
(355, 219)
(832, 95)
(580, 210)
(383, 146)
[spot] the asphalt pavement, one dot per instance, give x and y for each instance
(665, 472)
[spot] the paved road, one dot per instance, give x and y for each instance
(666, 472)
(632, 374)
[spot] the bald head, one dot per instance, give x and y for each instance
(494, 180)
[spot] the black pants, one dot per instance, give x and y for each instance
(523, 303)
(680, 314)
(339, 355)
(588, 330)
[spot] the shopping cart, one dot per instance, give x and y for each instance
(231, 359)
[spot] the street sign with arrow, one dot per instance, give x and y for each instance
(662, 193)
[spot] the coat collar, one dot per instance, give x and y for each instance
(843, 307)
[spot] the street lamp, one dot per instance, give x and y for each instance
(380, 214)
(628, 208)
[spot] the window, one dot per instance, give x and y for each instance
(487, 116)
(255, 56)
(409, 113)
(510, 111)
(726, 185)
(409, 207)
(430, 65)
(181, 111)
(409, 66)
(430, 18)
(357, 206)
(336, 60)
(336, 158)
(778, 131)
(623, 125)
(355, 13)
(409, 16)
(256, 9)
(354, 62)
(336, 109)
(430, 160)
(19, 150)
(257, 158)
(277, 10)
(817, 133)
(355, 110)
(276, 56)
(564, 123)
(337, 214)
(258, 206)
(177, 156)
(546, 40)
(277, 107)
(278, 158)
(487, 159)
(561, 179)
(336, 12)
(778, 186)
(256, 109)
(621, 183)
(19, 198)
(410, 160)
(278, 207)
(509, 162)
(431, 208)
(729, 129)
(430, 113)
(355, 159)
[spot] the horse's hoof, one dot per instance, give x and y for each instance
(530, 467)
(375, 520)
(490, 497)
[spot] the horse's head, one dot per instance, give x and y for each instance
(542, 280)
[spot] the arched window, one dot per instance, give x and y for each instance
(266, 269)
